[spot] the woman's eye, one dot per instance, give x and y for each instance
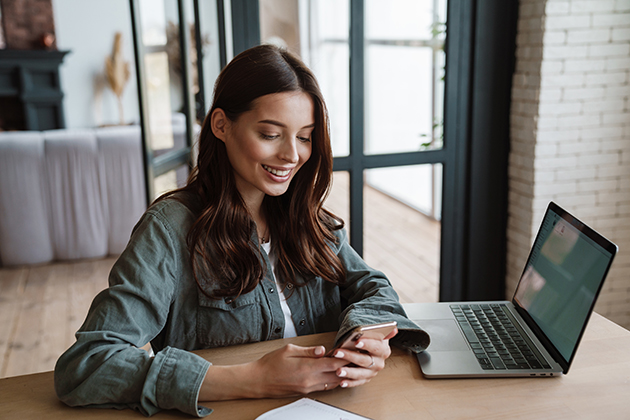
(304, 139)
(268, 136)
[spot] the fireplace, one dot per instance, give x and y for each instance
(30, 92)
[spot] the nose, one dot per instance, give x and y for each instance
(289, 151)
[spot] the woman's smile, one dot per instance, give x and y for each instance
(281, 173)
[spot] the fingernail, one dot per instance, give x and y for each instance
(319, 351)
(360, 345)
(344, 385)
(339, 354)
(342, 373)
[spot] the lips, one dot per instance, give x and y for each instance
(277, 172)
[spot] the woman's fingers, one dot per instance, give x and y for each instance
(327, 382)
(298, 351)
(368, 354)
(362, 360)
(348, 368)
(364, 363)
(354, 376)
(293, 370)
(378, 348)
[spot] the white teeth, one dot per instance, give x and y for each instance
(276, 172)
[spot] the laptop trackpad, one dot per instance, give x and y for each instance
(445, 335)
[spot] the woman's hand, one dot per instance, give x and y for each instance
(365, 362)
(290, 370)
(294, 370)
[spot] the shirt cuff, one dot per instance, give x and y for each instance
(414, 340)
(179, 380)
(409, 337)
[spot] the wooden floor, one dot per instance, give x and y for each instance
(40, 310)
(42, 307)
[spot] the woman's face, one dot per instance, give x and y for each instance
(267, 145)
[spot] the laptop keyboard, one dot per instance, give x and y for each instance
(496, 341)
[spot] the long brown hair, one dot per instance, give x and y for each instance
(220, 241)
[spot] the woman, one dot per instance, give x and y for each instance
(245, 252)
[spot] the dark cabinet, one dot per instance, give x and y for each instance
(30, 92)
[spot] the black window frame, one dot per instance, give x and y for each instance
(156, 166)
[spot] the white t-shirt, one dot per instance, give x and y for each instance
(289, 326)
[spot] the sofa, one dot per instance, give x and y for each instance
(69, 194)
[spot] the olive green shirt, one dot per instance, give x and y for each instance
(153, 297)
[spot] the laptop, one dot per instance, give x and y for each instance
(538, 332)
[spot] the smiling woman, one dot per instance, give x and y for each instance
(244, 252)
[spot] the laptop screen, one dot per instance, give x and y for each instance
(562, 278)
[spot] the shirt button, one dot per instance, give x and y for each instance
(229, 300)
(271, 290)
(302, 322)
(278, 330)
(290, 286)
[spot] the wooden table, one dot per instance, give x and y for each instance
(597, 387)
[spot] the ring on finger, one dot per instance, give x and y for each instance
(371, 364)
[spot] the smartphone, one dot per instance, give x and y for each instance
(377, 331)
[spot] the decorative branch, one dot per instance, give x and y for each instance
(117, 73)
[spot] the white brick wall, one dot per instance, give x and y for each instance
(570, 130)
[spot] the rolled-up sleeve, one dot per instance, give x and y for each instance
(371, 299)
(105, 367)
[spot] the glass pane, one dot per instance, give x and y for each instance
(338, 200)
(403, 75)
(208, 23)
(317, 31)
(280, 25)
(153, 19)
(165, 85)
(170, 180)
(402, 228)
(198, 98)
(330, 65)
(159, 94)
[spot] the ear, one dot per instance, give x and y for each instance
(219, 123)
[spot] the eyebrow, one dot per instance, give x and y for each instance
(279, 124)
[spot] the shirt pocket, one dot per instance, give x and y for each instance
(325, 305)
(228, 321)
